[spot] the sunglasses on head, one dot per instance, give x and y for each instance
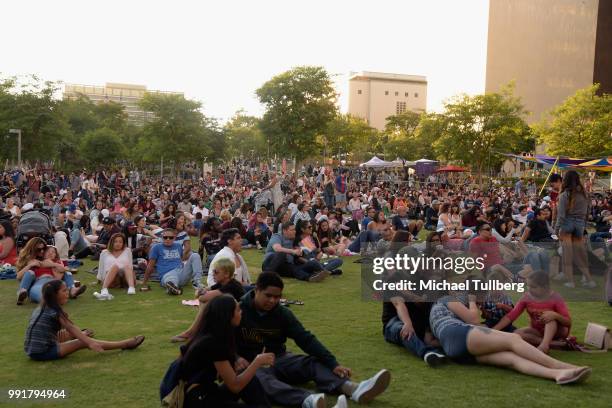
(168, 237)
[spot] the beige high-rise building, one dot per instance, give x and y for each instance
(550, 48)
(127, 95)
(374, 96)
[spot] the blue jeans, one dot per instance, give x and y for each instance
(363, 237)
(414, 344)
(191, 270)
(34, 286)
(332, 264)
(35, 294)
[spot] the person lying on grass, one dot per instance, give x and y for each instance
(51, 335)
(266, 325)
(223, 272)
(455, 321)
(211, 354)
(549, 316)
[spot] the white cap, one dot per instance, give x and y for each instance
(27, 206)
(105, 212)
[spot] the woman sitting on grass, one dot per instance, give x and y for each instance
(37, 265)
(223, 273)
(211, 354)
(45, 339)
(455, 322)
(115, 267)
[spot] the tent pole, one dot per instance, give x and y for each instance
(547, 177)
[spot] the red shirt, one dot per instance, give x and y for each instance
(535, 308)
(488, 249)
(11, 257)
(40, 271)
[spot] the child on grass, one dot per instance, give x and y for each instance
(496, 305)
(549, 316)
(51, 335)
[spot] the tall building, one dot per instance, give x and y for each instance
(550, 48)
(125, 94)
(374, 96)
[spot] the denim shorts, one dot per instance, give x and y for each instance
(51, 354)
(574, 226)
(454, 342)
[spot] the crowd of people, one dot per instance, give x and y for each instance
(140, 230)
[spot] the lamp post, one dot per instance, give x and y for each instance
(18, 133)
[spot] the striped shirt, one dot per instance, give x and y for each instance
(42, 330)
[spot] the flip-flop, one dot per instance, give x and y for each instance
(79, 292)
(137, 342)
(581, 375)
(178, 339)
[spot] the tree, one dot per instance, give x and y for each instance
(348, 136)
(178, 131)
(398, 138)
(101, 146)
(30, 106)
(299, 105)
(244, 138)
(477, 128)
(580, 127)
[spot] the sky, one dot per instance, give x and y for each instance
(220, 52)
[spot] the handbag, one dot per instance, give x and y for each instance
(598, 336)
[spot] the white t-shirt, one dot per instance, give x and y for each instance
(107, 260)
(241, 274)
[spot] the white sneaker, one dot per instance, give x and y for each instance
(102, 296)
(589, 284)
(341, 403)
(368, 389)
(314, 401)
(131, 290)
(104, 291)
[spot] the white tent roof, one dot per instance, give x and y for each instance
(401, 162)
(375, 162)
(426, 161)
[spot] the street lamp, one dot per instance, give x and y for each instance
(18, 133)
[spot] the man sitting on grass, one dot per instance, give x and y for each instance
(175, 264)
(266, 325)
(283, 258)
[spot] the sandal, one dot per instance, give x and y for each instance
(179, 338)
(145, 288)
(579, 376)
(135, 342)
(79, 292)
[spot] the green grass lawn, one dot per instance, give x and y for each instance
(334, 311)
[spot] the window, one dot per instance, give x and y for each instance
(396, 93)
(407, 94)
(359, 92)
(386, 93)
(416, 94)
(400, 107)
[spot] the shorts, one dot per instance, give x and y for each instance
(340, 198)
(51, 354)
(454, 342)
(573, 226)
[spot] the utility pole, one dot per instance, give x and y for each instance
(18, 133)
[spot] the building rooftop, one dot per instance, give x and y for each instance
(368, 75)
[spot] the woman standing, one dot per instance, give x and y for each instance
(572, 215)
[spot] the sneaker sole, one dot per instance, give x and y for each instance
(436, 361)
(21, 298)
(383, 378)
(173, 290)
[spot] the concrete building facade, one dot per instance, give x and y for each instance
(128, 95)
(374, 96)
(550, 48)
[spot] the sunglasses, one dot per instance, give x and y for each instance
(168, 237)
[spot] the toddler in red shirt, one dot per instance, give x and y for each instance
(550, 321)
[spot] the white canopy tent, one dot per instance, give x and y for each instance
(399, 162)
(376, 163)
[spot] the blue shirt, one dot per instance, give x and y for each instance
(166, 258)
(284, 242)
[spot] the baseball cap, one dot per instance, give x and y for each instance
(108, 221)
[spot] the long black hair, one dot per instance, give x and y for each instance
(8, 228)
(572, 184)
(49, 300)
(216, 322)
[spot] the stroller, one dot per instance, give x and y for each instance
(34, 224)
